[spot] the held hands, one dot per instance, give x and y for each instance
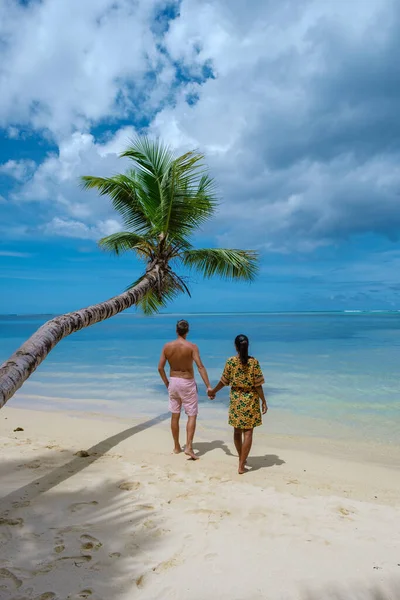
(211, 394)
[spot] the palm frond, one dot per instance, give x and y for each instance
(124, 241)
(189, 197)
(150, 156)
(169, 287)
(126, 197)
(226, 263)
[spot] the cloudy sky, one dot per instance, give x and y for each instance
(295, 104)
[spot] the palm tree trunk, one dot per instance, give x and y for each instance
(15, 371)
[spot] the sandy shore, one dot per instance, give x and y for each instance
(131, 520)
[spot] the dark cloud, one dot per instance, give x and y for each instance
(301, 123)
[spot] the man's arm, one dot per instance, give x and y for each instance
(161, 368)
(201, 367)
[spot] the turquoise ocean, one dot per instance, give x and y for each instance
(327, 374)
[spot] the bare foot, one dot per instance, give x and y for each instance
(191, 454)
(177, 450)
(242, 469)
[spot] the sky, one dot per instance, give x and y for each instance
(294, 103)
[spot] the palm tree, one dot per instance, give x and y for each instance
(163, 200)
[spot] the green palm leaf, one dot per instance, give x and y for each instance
(228, 264)
(127, 198)
(150, 157)
(189, 196)
(169, 287)
(124, 241)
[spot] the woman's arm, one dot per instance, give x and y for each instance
(214, 391)
(260, 392)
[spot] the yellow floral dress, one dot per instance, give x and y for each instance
(244, 409)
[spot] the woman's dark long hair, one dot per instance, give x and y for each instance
(242, 346)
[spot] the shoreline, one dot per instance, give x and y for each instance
(131, 519)
(341, 459)
(278, 422)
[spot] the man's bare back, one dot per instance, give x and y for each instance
(180, 355)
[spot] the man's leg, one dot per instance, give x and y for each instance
(190, 429)
(175, 431)
(237, 439)
(246, 447)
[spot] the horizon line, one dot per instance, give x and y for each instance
(216, 313)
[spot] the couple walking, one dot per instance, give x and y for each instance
(242, 373)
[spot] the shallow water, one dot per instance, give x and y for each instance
(329, 374)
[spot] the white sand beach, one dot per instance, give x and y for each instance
(131, 520)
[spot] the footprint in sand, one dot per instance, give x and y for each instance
(174, 561)
(141, 581)
(211, 556)
(208, 512)
(345, 512)
(35, 464)
(89, 542)
(11, 522)
(82, 505)
(145, 507)
(256, 515)
(60, 548)
(47, 596)
(21, 504)
(78, 560)
(160, 532)
(85, 593)
(149, 524)
(129, 485)
(10, 580)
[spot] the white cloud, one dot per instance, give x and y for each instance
(13, 133)
(66, 65)
(55, 186)
(18, 169)
(77, 229)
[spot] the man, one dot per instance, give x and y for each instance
(182, 388)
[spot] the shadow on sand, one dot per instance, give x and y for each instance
(74, 466)
(85, 539)
(254, 463)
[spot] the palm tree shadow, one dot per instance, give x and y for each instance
(63, 472)
(264, 462)
(204, 447)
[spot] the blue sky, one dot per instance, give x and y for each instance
(295, 105)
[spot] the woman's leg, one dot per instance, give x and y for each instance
(237, 439)
(246, 447)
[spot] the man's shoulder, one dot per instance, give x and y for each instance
(169, 345)
(178, 344)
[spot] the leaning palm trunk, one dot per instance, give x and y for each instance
(15, 371)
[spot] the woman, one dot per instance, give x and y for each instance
(243, 373)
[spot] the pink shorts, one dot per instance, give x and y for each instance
(183, 391)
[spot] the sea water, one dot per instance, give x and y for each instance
(326, 373)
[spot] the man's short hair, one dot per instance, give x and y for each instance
(182, 327)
